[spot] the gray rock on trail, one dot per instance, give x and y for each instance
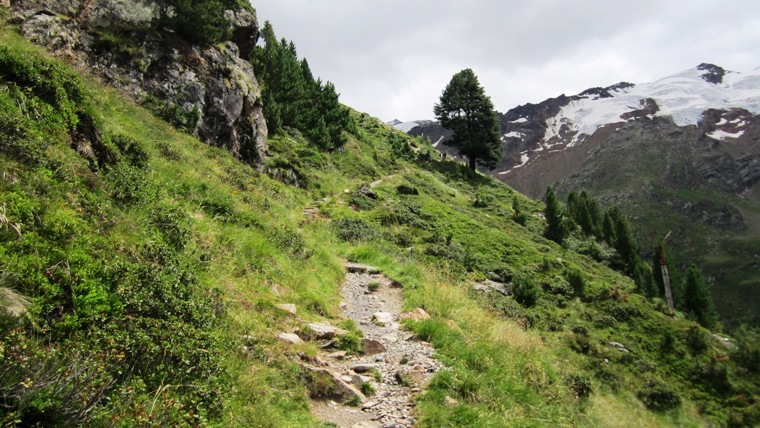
(360, 268)
(340, 389)
(372, 347)
(366, 424)
(323, 331)
(363, 367)
(383, 318)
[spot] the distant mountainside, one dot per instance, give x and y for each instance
(680, 154)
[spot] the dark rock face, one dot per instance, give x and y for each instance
(215, 84)
(712, 73)
(648, 108)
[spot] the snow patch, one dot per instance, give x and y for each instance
(722, 135)
(520, 120)
(513, 134)
(408, 126)
(438, 142)
(524, 159)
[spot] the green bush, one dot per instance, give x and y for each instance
(132, 151)
(199, 21)
(404, 189)
(483, 200)
(577, 281)
(580, 385)
(659, 397)
(355, 230)
(290, 241)
(696, 340)
(367, 389)
(747, 351)
(351, 342)
(360, 201)
(526, 291)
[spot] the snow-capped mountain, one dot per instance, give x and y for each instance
(721, 103)
(684, 97)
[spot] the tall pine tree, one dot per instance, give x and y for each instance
(556, 224)
(697, 299)
(465, 109)
(294, 99)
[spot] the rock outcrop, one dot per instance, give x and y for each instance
(210, 91)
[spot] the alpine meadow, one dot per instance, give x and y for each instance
(194, 231)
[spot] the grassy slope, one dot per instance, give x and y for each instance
(509, 365)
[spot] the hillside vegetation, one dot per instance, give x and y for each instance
(141, 270)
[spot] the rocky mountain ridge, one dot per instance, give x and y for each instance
(210, 91)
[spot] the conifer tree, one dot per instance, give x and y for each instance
(697, 299)
(465, 109)
(556, 225)
(294, 99)
(518, 215)
(585, 211)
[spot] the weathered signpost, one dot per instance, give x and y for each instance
(666, 277)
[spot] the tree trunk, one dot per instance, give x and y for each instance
(472, 164)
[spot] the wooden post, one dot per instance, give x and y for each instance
(666, 281)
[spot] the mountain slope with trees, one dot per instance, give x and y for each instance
(153, 268)
(677, 155)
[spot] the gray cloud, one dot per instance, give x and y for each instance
(393, 58)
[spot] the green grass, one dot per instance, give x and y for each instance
(199, 255)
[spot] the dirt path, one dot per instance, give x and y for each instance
(404, 364)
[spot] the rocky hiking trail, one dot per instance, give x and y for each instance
(394, 363)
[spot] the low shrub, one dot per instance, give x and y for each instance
(407, 190)
(526, 291)
(659, 397)
(580, 385)
(747, 351)
(355, 230)
(577, 281)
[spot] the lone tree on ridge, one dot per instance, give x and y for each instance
(465, 109)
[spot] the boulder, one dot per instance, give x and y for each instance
(366, 191)
(338, 388)
(322, 331)
(290, 338)
(288, 307)
(417, 314)
(383, 318)
(619, 346)
(363, 367)
(372, 347)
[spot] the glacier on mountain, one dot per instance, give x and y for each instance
(683, 96)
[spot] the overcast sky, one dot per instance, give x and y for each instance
(392, 58)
